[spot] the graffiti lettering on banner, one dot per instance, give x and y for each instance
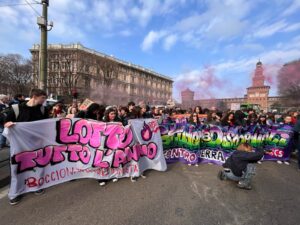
(48, 152)
(214, 144)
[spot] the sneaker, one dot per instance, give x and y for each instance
(133, 179)
(189, 164)
(221, 175)
(16, 200)
(259, 162)
(279, 162)
(115, 180)
(286, 163)
(243, 185)
(197, 165)
(143, 176)
(39, 192)
(102, 183)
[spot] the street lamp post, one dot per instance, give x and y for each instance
(43, 23)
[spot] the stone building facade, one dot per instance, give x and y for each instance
(75, 68)
(258, 93)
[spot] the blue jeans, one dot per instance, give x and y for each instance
(2, 138)
(246, 177)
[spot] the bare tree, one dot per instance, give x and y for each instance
(289, 83)
(77, 69)
(107, 72)
(69, 71)
(16, 74)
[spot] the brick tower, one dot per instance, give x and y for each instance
(187, 98)
(258, 93)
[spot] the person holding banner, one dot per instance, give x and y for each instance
(240, 166)
(3, 113)
(123, 114)
(90, 113)
(287, 122)
(228, 120)
(32, 110)
(213, 118)
(130, 106)
(198, 110)
(194, 119)
(110, 115)
(252, 117)
(145, 111)
(297, 139)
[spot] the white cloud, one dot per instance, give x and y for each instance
(169, 41)
(120, 15)
(18, 29)
(277, 27)
(269, 30)
(222, 20)
(292, 27)
(235, 74)
(235, 50)
(125, 33)
(97, 17)
(293, 8)
(151, 38)
(146, 10)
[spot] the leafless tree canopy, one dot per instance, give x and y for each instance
(109, 71)
(72, 71)
(66, 71)
(106, 75)
(289, 83)
(15, 74)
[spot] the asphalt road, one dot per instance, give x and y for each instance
(182, 195)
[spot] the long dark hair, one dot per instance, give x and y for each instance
(226, 118)
(101, 112)
(90, 112)
(239, 117)
(262, 122)
(136, 113)
(191, 119)
(200, 109)
(107, 112)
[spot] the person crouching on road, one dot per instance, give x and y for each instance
(240, 166)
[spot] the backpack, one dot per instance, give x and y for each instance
(3, 114)
(16, 110)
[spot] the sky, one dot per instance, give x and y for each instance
(209, 46)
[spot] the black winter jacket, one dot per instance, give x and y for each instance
(239, 160)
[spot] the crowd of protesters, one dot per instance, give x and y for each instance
(19, 110)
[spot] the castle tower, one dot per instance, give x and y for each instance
(187, 98)
(258, 93)
(258, 79)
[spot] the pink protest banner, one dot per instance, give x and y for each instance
(49, 152)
